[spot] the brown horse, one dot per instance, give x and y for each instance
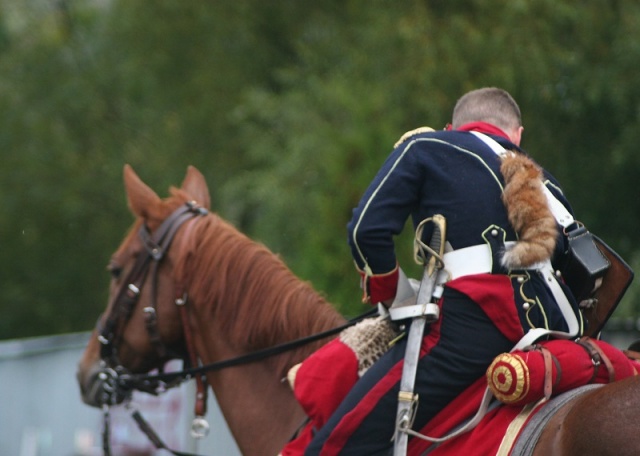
(234, 297)
(241, 298)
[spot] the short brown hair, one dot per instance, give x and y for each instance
(489, 104)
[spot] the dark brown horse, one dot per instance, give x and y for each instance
(217, 294)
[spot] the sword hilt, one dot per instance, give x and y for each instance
(431, 257)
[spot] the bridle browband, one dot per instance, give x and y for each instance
(117, 382)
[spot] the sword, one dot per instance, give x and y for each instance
(431, 257)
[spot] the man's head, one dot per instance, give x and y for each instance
(491, 105)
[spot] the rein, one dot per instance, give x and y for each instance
(132, 381)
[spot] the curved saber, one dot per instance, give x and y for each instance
(407, 400)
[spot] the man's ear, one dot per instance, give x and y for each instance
(515, 136)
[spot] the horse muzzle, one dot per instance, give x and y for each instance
(101, 385)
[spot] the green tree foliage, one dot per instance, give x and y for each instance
(289, 109)
(404, 68)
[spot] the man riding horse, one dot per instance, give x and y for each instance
(199, 302)
(503, 252)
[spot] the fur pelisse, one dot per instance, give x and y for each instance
(369, 340)
(528, 213)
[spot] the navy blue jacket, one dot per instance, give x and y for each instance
(452, 173)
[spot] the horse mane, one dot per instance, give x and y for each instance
(250, 292)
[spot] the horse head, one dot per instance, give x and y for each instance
(143, 291)
(187, 284)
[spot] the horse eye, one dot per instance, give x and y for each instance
(114, 269)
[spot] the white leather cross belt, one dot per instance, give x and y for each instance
(478, 259)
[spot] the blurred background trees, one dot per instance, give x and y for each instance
(288, 108)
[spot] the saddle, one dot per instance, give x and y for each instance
(530, 432)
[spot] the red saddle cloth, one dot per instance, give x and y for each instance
(519, 378)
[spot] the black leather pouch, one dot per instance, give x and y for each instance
(585, 265)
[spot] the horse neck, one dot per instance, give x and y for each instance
(245, 299)
(240, 283)
(260, 410)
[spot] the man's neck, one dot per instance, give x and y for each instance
(483, 127)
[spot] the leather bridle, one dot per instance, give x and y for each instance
(110, 329)
(117, 382)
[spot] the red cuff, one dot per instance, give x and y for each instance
(379, 287)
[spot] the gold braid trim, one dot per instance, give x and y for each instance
(411, 133)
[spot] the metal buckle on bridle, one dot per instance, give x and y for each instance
(196, 208)
(115, 383)
(109, 378)
(181, 301)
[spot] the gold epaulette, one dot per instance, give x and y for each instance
(412, 133)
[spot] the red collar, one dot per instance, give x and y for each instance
(483, 127)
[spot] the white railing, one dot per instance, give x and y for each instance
(41, 413)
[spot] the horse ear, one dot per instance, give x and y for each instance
(196, 186)
(139, 196)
